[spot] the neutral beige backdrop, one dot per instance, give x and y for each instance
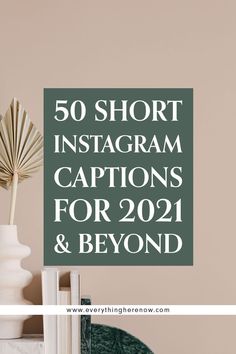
(133, 43)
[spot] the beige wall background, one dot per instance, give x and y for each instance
(138, 44)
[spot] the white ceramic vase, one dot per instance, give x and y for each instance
(13, 278)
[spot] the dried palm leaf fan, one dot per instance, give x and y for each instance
(21, 150)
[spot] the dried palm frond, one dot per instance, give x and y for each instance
(21, 149)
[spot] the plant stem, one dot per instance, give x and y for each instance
(13, 197)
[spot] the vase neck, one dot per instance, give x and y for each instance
(8, 233)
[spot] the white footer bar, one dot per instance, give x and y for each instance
(118, 310)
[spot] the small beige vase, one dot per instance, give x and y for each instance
(13, 278)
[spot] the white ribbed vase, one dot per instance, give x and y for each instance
(13, 278)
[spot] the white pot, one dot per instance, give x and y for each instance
(13, 278)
